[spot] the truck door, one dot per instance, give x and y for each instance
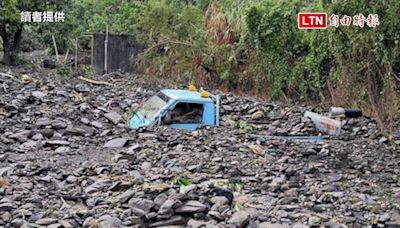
(185, 115)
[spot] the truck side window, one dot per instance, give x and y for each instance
(184, 113)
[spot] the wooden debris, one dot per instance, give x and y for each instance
(77, 96)
(94, 81)
(7, 75)
(3, 183)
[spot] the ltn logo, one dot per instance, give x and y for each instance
(312, 20)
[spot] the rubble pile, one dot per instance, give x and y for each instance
(68, 159)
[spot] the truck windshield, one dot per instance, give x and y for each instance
(150, 108)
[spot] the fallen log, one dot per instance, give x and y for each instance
(94, 81)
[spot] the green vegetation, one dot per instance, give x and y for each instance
(249, 46)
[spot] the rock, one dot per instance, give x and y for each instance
(46, 178)
(17, 222)
(55, 225)
(96, 124)
(20, 136)
(42, 122)
(98, 186)
(38, 95)
(122, 198)
(272, 225)
(89, 222)
(46, 221)
(58, 142)
(166, 208)
(160, 187)
(146, 166)
(135, 220)
(239, 218)
(160, 199)
(109, 221)
(71, 179)
(4, 171)
(191, 206)
(383, 139)
(62, 150)
(75, 131)
(257, 115)
(115, 143)
(65, 224)
(384, 217)
(175, 220)
(257, 149)
(37, 137)
(221, 200)
(140, 206)
(114, 117)
(196, 224)
(6, 206)
(48, 133)
(59, 124)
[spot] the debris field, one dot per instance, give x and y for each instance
(68, 159)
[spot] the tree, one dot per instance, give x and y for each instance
(10, 30)
(11, 27)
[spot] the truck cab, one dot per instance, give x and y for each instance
(181, 109)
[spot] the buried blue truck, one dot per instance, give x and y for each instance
(182, 109)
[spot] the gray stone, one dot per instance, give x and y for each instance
(58, 142)
(17, 222)
(58, 124)
(46, 221)
(55, 225)
(98, 186)
(221, 200)
(71, 179)
(109, 221)
(44, 121)
(48, 133)
(62, 149)
(160, 199)
(7, 206)
(384, 217)
(174, 220)
(37, 137)
(96, 124)
(122, 198)
(191, 206)
(140, 206)
(115, 143)
(38, 94)
(114, 117)
(195, 223)
(257, 115)
(89, 221)
(20, 136)
(4, 171)
(239, 218)
(65, 224)
(76, 131)
(272, 225)
(146, 166)
(166, 207)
